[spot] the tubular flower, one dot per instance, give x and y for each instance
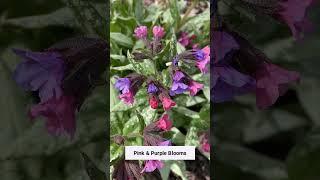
(129, 86)
(61, 89)
(164, 123)
(167, 102)
(153, 101)
(203, 58)
(182, 83)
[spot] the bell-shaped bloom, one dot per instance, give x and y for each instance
(127, 98)
(164, 123)
(152, 88)
(223, 43)
(123, 85)
(158, 32)
(272, 82)
(166, 101)
(152, 165)
(59, 114)
(228, 83)
(62, 75)
(129, 86)
(178, 88)
(40, 71)
(153, 101)
(203, 58)
(194, 87)
(127, 170)
(141, 32)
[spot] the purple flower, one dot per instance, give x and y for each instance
(200, 55)
(40, 71)
(204, 58)
(152, 88)
(228, 83)
(175, 61)
(178, 75)
(178, 88)
(123, 85)
(152, 165)
(63, 77)
(129, 86)
(223, 44)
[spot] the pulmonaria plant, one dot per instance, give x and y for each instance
(63, 76)
(160, 96)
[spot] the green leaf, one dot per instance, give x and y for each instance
(60, 17)
(304, 159)
(93, 172)
(121, 39)
(192, 138)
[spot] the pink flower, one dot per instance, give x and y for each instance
(165, 143)
(272, 82)
(127, 98)
(203, 58)
(152, 165)
(158, 32)
(184, 39)
(153, 101)
(293, 13)
(60, 115)
(194, 87)
(167, 102)
(205, 147)
(164, 123)
(204, 142)
(141, 32)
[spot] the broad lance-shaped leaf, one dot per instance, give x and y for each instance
(93, 172)
(60, 17)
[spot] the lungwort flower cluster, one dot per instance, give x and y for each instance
(159, 95)
(63, 76)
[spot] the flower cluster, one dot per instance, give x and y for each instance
(52, 75)
(161, 96)
(240, 68)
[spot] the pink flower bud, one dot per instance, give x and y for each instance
(141, 32)
(158, 32)
(194, 87)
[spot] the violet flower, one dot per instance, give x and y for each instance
(60, 75)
